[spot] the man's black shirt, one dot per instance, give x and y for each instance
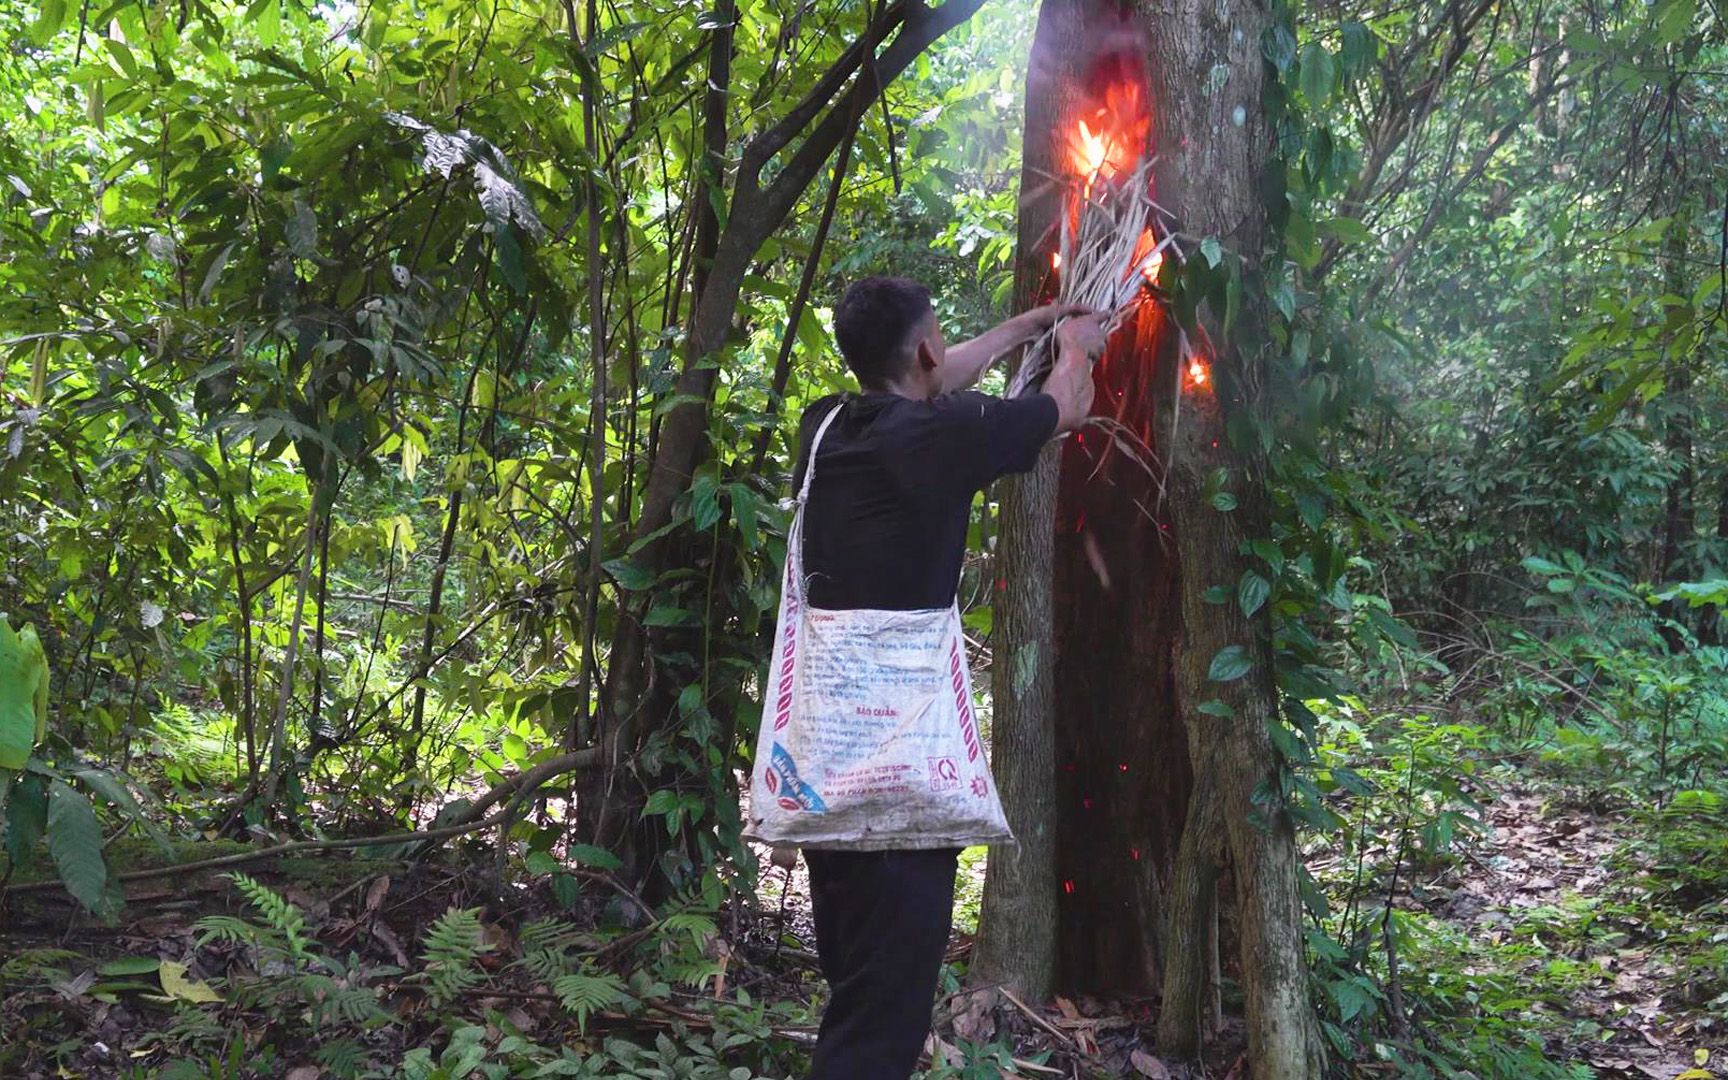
(885, 526)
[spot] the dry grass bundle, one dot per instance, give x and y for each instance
(1106, 258)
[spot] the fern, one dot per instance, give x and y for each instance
(587, 992)
(280, 915)
(226, 929)
(344, 1057)
(191, 1030)
(43, 964)
(693, 972)
(546, 948)
(282, 936)
(699, 927)
(333, 1003)
(452, 947)
(544, 934)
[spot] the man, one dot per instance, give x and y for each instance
(885, 528)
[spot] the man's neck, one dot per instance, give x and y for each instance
(910, 388)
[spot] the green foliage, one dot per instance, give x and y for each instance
(280, 937)
(587, 992)
(23, 694)
(75, 842)
(453, 946)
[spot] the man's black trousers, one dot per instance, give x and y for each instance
(882, 921)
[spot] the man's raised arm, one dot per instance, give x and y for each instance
(967, 360)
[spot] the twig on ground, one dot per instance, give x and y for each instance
(1036, 1019)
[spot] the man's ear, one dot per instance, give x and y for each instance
(927, 360)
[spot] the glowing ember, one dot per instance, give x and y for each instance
(1055, 260)
(1197, 372)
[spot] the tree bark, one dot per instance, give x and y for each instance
(1680, 514)
(1124, 777)
(1214, 149)
(1017, 921)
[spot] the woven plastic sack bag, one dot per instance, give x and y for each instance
(868, 739)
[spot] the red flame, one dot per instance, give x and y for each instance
(1147, 257)
(1108, 137)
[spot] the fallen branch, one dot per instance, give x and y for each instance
(470, 820)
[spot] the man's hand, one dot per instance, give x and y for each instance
(1079, 341)
(1082, 334)
(1040, 319)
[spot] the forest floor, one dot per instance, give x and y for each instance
(1555, 914)
(1566, 907)
(1554, 909)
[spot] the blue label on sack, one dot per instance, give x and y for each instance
(789, 791)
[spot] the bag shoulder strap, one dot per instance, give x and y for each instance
(815, 445)
(795, 538)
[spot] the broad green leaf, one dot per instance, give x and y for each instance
(214, 272)
(26, 817)
(75, 842)
(589, 855)
(1674, 19)
(114, 790)
(667, 615)
(1359, 49)
(745, 507)
(1231, 663)
(49, 19)
(302, 230)
(1251, 592)
(23, 694)
(539, 863)
(704, 503)
(1278, 45)
(1538, 565)
(131, 965)
(1319, 74)
(1347, 229)
(629, 576)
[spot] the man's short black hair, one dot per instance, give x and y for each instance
(875, 324)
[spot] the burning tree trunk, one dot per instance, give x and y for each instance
(1085, 602)
(1153, 703)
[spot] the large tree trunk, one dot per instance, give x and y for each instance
(1123, 780)
(1017, 923)
(1105, 640)
(1094, 779)
(1214, 149)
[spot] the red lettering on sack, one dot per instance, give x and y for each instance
(967, 730)
(789, 658)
